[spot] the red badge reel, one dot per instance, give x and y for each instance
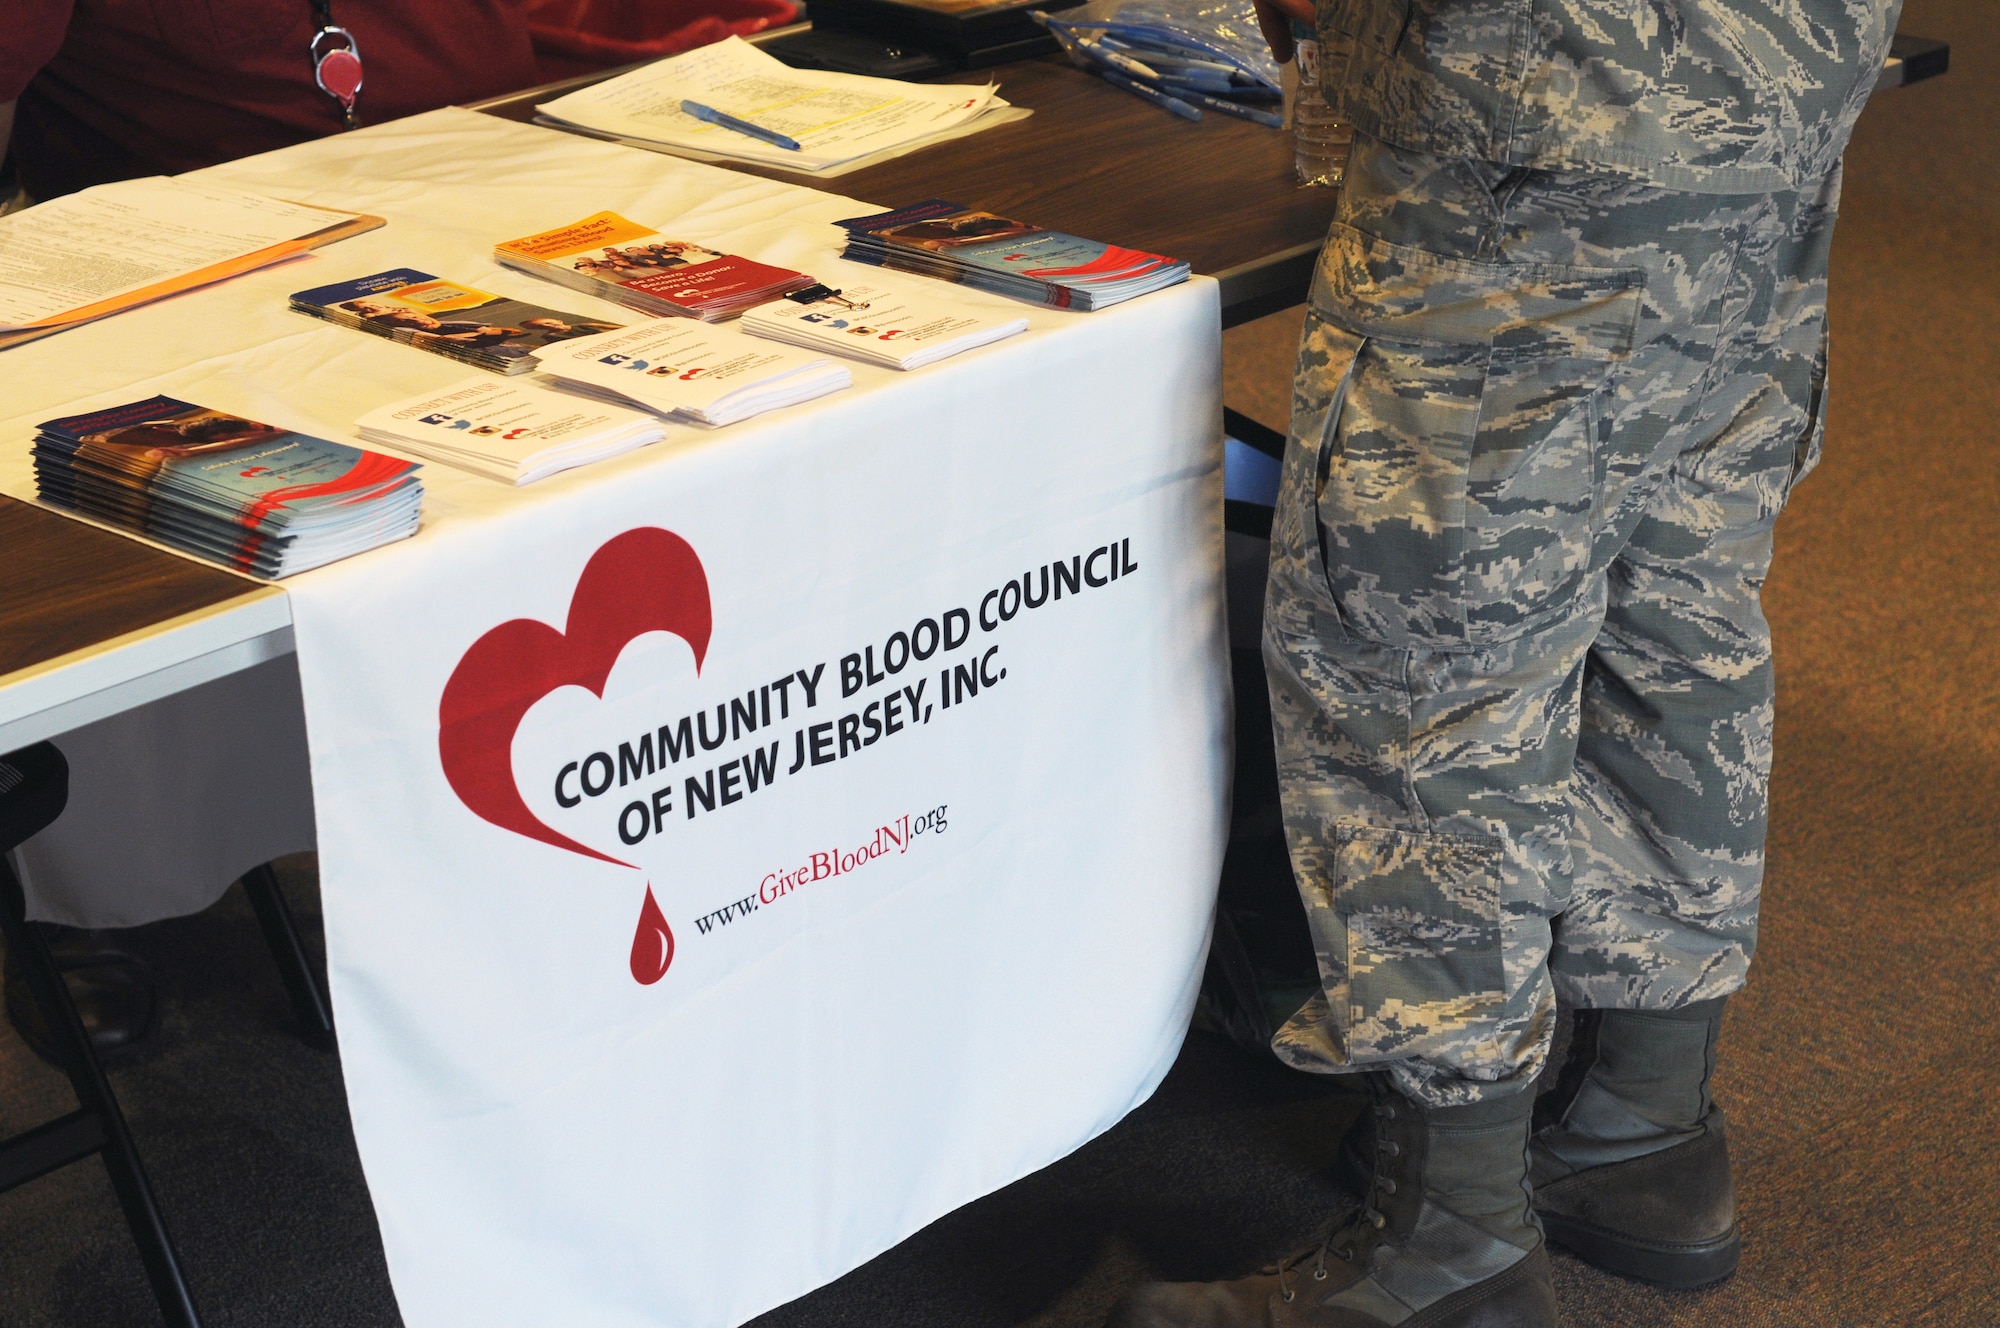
(337, 69)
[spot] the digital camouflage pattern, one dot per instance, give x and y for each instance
(1521, 683)
(1726, 96)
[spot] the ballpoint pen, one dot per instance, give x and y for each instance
(1124, 64)
(1160, 99)
(712, 116)
(1226, 106)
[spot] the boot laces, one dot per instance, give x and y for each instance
(1346, 1238)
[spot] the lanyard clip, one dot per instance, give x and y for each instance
(336, 60)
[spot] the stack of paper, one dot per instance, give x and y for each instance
(513, 432)
(837, 119)
(956, 243)
(608, 256)
(417, 309)
(251, 495)
(116, 246)
(872, 323)
(692, 372)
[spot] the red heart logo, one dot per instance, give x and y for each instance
(645, 580)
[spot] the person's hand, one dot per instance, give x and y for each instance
(1275, 18)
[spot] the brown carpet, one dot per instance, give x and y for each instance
(1862, 1066)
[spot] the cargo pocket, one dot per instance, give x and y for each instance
(1805, 455)
(1420, 930)
(1296, 601)
(1460, 473)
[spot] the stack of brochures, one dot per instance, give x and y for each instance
(513, 432)
(417, 309)
(117, 246)
(880, 326)
(956, 243)
(835, 122)
(692, 372)
(608, 256)
(259, 498)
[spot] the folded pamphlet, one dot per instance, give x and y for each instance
(475, 326)
(606, 255)
(873, 323)
(955, 243)
(693, 372)
(257, 497)
(513, 432)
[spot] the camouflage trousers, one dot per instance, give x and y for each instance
(1520, 677)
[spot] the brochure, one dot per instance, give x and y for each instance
(258, 497)
(513, 432)
(606, 255)
(881, 326)
(693, 372)
(445, 318)
(955, 243)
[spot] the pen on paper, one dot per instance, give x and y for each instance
(712, 116)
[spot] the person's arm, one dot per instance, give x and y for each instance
(35, 32)
(10, 194)
(1275, 18)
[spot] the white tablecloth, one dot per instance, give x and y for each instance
(172, 801)
(917, 951)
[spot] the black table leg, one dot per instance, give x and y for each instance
(128, 1178)
(309, 1002)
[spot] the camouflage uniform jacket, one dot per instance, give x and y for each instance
(1706, 96)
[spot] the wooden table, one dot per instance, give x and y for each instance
(1098, 162)
(92, 623)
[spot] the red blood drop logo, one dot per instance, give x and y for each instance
(645, 580)
(652, 943)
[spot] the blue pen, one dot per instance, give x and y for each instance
(715, 117)
(1160, 99)
(1221, 87)
(1228, 107)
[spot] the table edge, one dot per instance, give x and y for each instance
(107, 677)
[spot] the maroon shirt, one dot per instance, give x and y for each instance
(111, 89)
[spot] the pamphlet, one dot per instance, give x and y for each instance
(513, 432)
(878, 325)
(955, 243)
(255, 496)
(606, 255)
(418, 309)
(693, 372)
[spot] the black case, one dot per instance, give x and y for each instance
(971, 38)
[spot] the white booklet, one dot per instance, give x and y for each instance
(514, 432)
(697, 372)
(891, 328)
(834, 118)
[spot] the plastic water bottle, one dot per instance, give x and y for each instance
(1319, 140)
